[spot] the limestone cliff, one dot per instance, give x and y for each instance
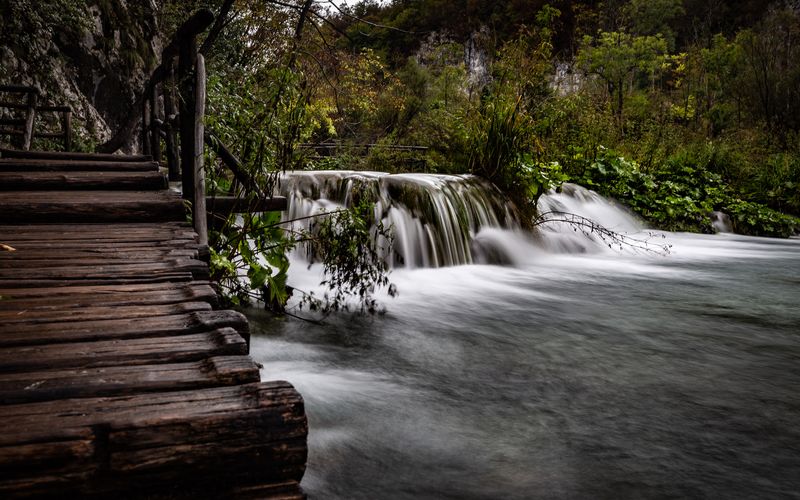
(92, 55)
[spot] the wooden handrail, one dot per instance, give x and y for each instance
(176, 116)
(31, 107)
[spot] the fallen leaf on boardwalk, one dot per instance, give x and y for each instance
(7, 248)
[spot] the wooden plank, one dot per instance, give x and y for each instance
(140, 227)
(77, 290)
(90, 313)
(26, 334)
(75, 271)
(207, 439)
(109, 253)
(127, 352)
(230, 204)
(188, 293)
(57, 155)
(101, 206)
(199, 216)
(216, 371)
(37, 165)
(83, 180)
(54, 282)
(71, 259)
(103, 245)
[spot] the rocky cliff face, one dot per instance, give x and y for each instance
(93, 55)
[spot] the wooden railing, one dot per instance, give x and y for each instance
(173, 109)
(22, 130)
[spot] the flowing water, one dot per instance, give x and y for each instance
(573, 371)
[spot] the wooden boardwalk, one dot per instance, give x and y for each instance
(118, 373)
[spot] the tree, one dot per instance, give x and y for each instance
(618, 58)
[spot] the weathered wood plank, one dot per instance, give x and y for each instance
(227, 205)
(118, 380)
(91, 313)
(145, 261)
(136, 227)
(249, 434)
(57, 155)
(129, 352)
(110, 255)
(197, 268)
(98, 206)
(22, 334)
(190, 292)
(161, 278)
(83, 180)
(37, 165)
(77, 290)
(132, 246)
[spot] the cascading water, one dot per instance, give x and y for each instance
(558, 236)
(446, 220)
(434, 217)
(574, 373)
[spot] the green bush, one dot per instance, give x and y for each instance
(681, 195)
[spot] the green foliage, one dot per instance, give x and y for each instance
(680, 196)
(256, 250)
(351, 255)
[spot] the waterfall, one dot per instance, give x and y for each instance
(561, 237)
(434, 218)
(448, 220)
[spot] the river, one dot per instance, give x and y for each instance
(601, 374)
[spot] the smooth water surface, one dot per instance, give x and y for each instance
(599, 375)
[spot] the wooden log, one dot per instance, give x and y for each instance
(109, 254)
(155, 120)
(104, 245)
(118, 380)
(199, 207)
(35, 165)
(83, 180)
(170, 112)
(30, 118)
(77, 290)
(200, 442)
(66, 126)
(117, 233)
(187, 62)
(20, 89)
(226, 205)
(124, 206)
(45, 261)
(175, 277)
(129, 352)
(197, 268)
(191, 292)
(114, 329)
(56, 155)
(14, 122)
(94, 313)
(12, 105)
(144, 137)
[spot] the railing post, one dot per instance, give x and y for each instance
(30, 117)
(145, 125)
(169, 118)
(155, 138)
(187, 62)
(199, 215)
(66, 126)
